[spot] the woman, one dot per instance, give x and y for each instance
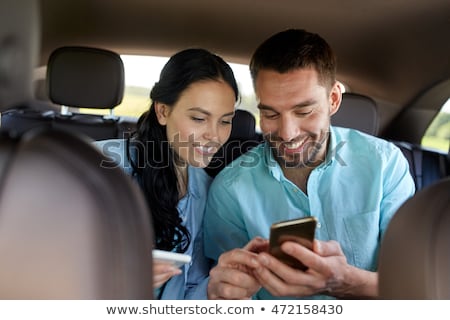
(189, 119)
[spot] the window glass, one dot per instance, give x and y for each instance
(437, 135)
(141, 73)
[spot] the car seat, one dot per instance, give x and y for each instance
(77, 77)
(357, 112)
(85, 77)
(426, 165)
(415, 252)
(70, 228)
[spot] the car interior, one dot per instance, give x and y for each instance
(393, 61)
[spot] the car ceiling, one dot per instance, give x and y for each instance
(389, 50)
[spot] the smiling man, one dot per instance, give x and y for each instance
(351, 182)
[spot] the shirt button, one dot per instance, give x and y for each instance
(318, 225)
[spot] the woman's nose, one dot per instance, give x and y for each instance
(211, 133)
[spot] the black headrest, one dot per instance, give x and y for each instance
(357, 112)
(244, 125)
(85, 77)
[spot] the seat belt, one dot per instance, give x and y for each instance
(417, 158)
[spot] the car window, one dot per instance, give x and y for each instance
(437, 135)
(141, 73)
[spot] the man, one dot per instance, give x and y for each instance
(351, 182)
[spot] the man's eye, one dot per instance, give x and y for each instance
(304, 113)
(270, 116)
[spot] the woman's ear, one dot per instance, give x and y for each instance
(162, 112)
(335, 98)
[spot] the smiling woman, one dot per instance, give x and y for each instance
(189, 118)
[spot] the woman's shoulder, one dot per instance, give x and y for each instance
(199, 175)
(199, 180)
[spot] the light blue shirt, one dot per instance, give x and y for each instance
(354, 193)
(192, 283)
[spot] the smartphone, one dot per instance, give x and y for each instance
(177, 259)
(300, 230)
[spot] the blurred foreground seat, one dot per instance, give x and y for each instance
(415, 253)
(69, 228)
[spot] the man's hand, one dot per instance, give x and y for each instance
(232, 277)
(328, 273)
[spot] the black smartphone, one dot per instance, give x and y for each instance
(301, 230)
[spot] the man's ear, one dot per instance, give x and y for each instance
(162, 112)
(335, 97)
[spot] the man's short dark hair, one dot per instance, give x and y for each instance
(295, 49)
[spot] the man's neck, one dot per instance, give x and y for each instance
(298, 176)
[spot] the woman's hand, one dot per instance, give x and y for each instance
(162, 272)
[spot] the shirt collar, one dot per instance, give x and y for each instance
(193, 185)
(331, 151)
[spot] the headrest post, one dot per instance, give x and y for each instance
(65, 111)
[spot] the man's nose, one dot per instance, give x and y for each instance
(288, 128)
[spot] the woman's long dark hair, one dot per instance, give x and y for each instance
(154, 167)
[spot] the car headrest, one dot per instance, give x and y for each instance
(415, 252)
(69, 227)
(85, 77)
(19, 47)
(244, 125)
(357, 112)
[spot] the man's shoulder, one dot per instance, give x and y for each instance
(354, 145)
(362, 140)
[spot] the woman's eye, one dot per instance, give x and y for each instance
(197, 119)
(227, 122)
